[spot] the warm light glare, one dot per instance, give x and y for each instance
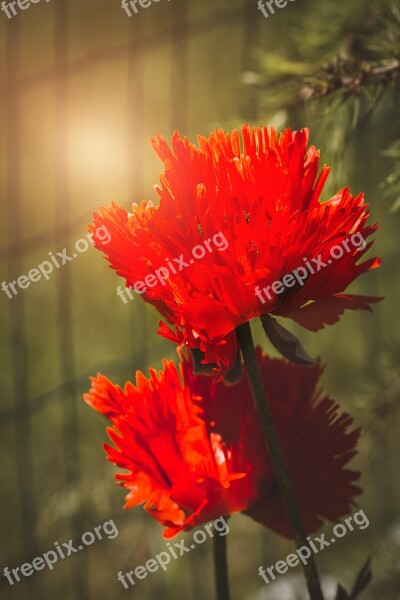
(98, 152)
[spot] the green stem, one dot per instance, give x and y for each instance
(221, 567)
(274, 448)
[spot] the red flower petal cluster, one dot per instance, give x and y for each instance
(190, 460)
(261, 195)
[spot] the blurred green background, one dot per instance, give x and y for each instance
(82, 87)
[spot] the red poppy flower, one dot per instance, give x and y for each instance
(190, 460)
(233, 221)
